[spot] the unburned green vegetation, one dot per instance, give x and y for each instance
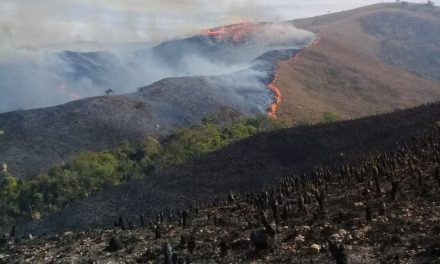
(89, 172)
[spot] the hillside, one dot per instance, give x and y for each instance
(246, 166)
(370, 60)
(381, 209)
(35, 140)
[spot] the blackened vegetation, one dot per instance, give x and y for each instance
(382, 210)
(115, 244)
(247, 166)
(338, 253)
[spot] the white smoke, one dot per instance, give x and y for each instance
(31, 32)
(30, 23)
(35, 80)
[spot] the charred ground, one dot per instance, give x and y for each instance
(381, 209)
(242, 167)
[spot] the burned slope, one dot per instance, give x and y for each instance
(382, 210)
(245, 166)
(35, 140)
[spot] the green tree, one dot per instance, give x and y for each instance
(239, 131)
(9, 207)
(96, 170)
(188, 143)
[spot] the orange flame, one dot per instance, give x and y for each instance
(236, 33)
(273, 108)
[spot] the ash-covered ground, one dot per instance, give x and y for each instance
(382, 210)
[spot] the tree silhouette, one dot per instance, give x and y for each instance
(109, 91)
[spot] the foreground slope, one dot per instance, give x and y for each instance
(370, 60)
(245, 166)
(382, 210)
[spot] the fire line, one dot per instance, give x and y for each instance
(239, 33)
(273, 108)
(236, 33)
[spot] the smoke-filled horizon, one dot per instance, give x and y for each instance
(30, 25)
(36, 70)
(57, 77)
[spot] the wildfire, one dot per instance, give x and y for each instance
(277, 100)
(236, 33)
(273, 108)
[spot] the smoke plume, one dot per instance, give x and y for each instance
(36, 79)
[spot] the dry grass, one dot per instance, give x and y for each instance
(344, 74)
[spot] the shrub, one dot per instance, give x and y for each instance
(328, 118)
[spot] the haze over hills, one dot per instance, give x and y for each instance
(63, 76)
(50, 135)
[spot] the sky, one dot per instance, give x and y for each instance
(31, 23)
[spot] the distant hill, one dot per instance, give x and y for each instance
(370, 60)
(245, 166)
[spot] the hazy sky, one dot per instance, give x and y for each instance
(32, 22)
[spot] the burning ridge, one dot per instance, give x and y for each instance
(236, 33)
(273, 108)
